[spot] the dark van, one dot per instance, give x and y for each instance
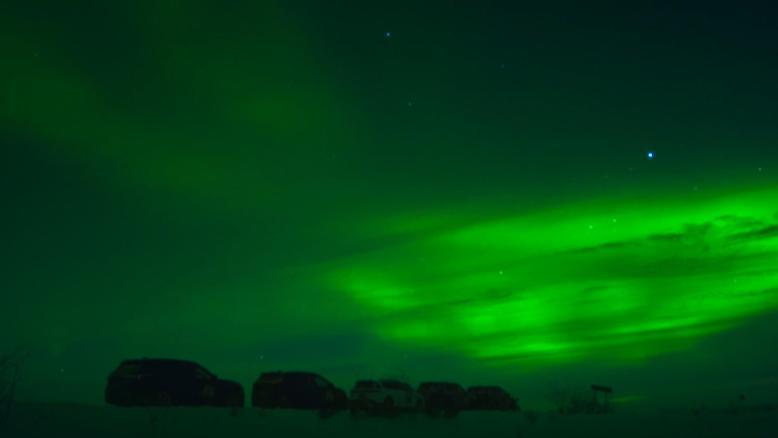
(169, 382)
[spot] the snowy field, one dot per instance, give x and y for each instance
(70, 420)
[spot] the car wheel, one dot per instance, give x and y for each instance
(329, 401)
(451, 412)
(388, 405)
(235, 401)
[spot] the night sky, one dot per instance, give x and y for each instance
(485, 192)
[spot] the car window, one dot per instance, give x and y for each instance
(366, 384)
(393, 384)
(271, 377)
(321, 383)
(426, 387)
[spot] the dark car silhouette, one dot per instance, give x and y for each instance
(491, 398)
(443, 397)
(296, 390)
(169, 382)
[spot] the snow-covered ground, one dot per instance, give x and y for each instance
(71, 420)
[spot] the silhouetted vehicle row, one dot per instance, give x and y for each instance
(171, 382)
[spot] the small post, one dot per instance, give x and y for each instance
(601, 406)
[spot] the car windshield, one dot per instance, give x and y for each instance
(201, 373)
(321, 382)
(127, 369)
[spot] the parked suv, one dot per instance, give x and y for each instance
(443, 397)
(169, 382)
(296, 390)
(384, 395)
(490, 398)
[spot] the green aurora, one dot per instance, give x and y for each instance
(621, 280)
(429, 190)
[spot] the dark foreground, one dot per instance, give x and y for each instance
(66, 420)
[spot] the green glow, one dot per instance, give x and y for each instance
(620, 280)
(251, 175)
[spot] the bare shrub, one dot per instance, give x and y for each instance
(10, 364)
(561, 397)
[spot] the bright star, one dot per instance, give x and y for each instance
(650, 155)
